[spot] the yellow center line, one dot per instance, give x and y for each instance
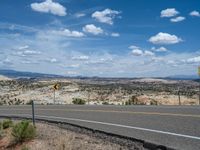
(115, 111)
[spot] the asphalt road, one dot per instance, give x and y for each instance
(174, 126)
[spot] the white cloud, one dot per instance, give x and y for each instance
(91, 28)
(115, 34)
(148, 53)
(68, 33)
(49, 6)
(71, 73)
(157, 59)
(193, 60)
(53, 60)
(177, 19)
(133, 47)
(105, 16)
(164, 38)
(29, 62)
(23, 47)
(169, 12)
(75, 65)
(137, 52)
(160, 49)
(26, 53)
(195, 13)
(83, 57)
(31, 52)
(79, 15)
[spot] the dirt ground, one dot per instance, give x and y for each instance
(50, 137)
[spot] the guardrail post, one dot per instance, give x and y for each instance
(33, 113)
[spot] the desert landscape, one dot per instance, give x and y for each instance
(98, 91)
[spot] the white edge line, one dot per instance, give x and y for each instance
(113, 124)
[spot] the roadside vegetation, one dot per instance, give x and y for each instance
(23, 131)
(22, 135)
(78, 101)
(14, 134)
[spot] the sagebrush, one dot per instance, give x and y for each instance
(23, 131)
(7, 123)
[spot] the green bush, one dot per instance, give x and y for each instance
(29, 103)
(105, 103)
(7, 124)
(1, 129)
(153, 102)
(23, 131)
(134, 101)
(24, 148)
(78, 101)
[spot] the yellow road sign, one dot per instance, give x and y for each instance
(56, 86)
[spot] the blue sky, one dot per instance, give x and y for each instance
(129, 38)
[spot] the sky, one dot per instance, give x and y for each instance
(105, 38)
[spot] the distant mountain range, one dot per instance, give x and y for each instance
(20, 74)
(183, 77)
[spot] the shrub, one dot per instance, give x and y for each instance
(105, 103)
(78, 101)
(24, 148)
(134, 101)
(1, 129)
(153, 102)
(29, 103)
(7, 124)
(23, 131)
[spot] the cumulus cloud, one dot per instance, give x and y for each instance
(195, 13)
(137, 52)
(68, 33)
(169, 12)
(148, 53)
(177, 19)
(160, 49)
(115, 34)
(49, 6)
(164, 38)
(91, 28)
(105, 16)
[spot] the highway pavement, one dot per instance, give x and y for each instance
(173, 126)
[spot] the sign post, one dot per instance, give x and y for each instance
(179, 97)
(33, 113)
(55, 87)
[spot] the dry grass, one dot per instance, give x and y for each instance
(54, 138)
(51, 137)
